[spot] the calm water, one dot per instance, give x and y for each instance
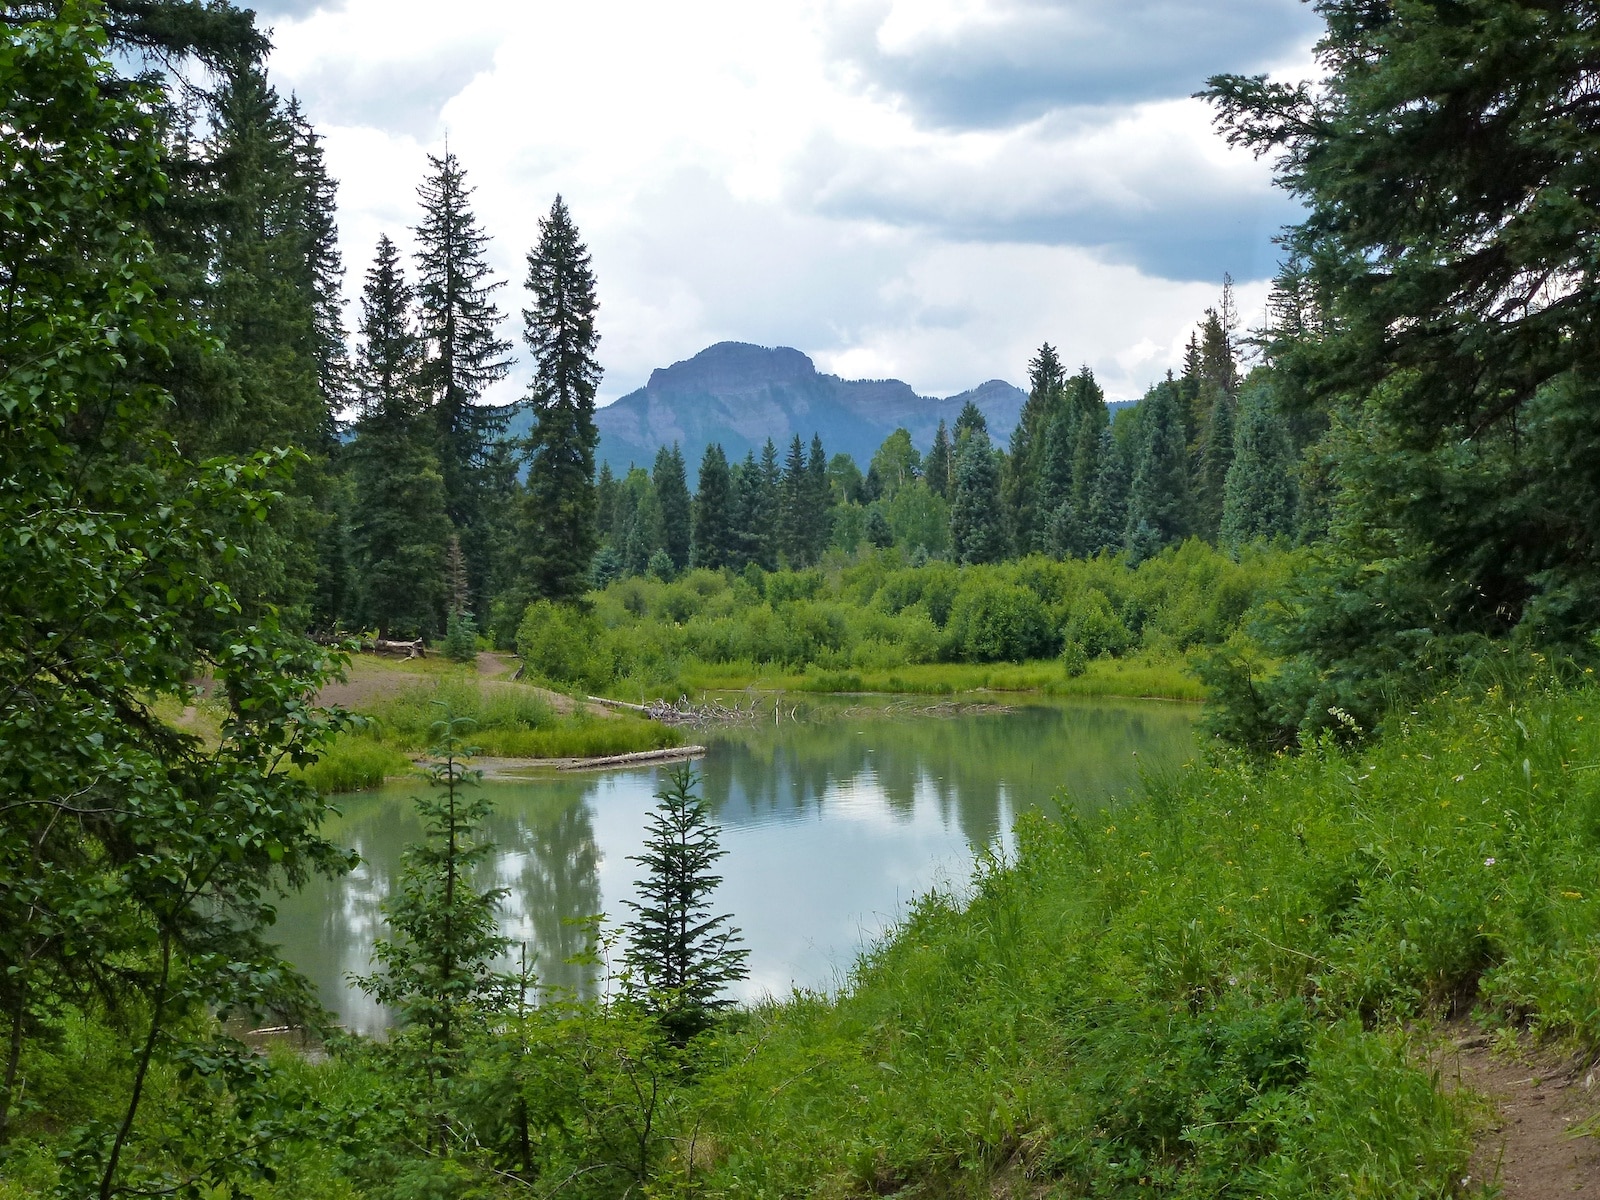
(833, 823)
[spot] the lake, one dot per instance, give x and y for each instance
(835, 818)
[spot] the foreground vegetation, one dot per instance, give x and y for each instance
(873, 622)
(1223, 988)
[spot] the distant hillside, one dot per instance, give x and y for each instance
(740, 395)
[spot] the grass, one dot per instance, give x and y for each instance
(509, 721)
(1151, 676)
(1224, 988)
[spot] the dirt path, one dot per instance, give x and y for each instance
(1537, 1099)
(494, 665)
(371, 680)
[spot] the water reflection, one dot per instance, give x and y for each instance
(833, 823)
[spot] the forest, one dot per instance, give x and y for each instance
(1367, 532)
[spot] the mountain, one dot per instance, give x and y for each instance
(740, 395)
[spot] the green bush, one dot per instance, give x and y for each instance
(998, 622)
(565, 645)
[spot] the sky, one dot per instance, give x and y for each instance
(918, 189)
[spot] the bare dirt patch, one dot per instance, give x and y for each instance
(371, 680)
(1536, 1100)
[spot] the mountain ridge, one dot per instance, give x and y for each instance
(739, 394)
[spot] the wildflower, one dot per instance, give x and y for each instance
(1489, 862)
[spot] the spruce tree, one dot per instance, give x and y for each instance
(464, 355)
(818, 502)
(793, 521)
(681, 958)
(1215, 457)
(977, 525)
(744, 483)
(713, 511)
(940, 462)
(399, 528)
(557, 534)
(970, 420)
(1106, 522)
(1026, 509)
(672, 493)
(1260, 492)
(642, 536)
(769, 522)
(1159, 496)
(605, 504)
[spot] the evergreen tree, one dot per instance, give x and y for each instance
(968, 421)
(399, 526)
(558, 533)
(435, 969)
(463, 356)
(793, 521)
(1053, 476)
(1106, 521)
(641, 536)
(713, 511)
(1215, 457)
(680, 956)
(1158, 499)
(672, 493)
(1026, 507)
(977, 527)
(260, 300)
(324, 267)
(940, 462)
(818, 502)
(770, 520)
(605, 504)
(1260, 491)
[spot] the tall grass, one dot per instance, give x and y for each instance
(1221, 989)
(509, 721)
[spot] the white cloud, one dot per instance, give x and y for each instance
(735, 181)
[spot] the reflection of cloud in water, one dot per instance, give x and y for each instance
(832, 830)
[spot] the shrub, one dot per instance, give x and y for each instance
(565, 645)
(994, 622)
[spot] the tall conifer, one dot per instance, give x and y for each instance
(977, 527)
(713, 511)
(672, 492)
(464, 356)
(939, 463)
(1259, 497)
(557, 534)
(399, 529)
(792, 522)
(1159, 497)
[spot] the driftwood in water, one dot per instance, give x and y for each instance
(685, 712)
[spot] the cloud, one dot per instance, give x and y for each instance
(294, 9)
(740, 173)
(960, 64)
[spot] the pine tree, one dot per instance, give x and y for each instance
(463, 356)
(940, 463)
(672, 493)
(1159, 497)
(557, 535)
(680, 956)
(977, 526)
(324, 267)
(713, 511)
(1260, 491)
(641, 537)
(399, 526)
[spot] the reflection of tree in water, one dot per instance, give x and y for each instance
(974, 767)
(548, 859)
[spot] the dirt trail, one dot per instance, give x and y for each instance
(1537, 1099)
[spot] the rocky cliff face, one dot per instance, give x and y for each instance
(740, 395)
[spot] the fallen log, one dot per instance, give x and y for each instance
(416, 649)
(638, 756)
